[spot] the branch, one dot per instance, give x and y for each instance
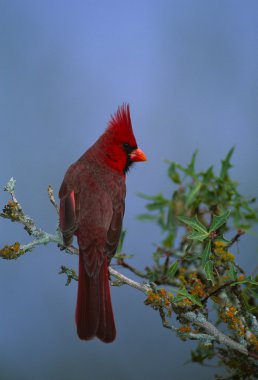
(14, 212)
(126, 280)
(199, 320)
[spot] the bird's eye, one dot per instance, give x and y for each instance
(129, 148)
(126, 147)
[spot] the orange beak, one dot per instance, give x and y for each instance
(138, 155)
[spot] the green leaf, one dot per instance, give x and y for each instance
(200, 236)
(168, 241)
(232, 272)
(156, 257)
(158, 201)
(245, 298)
(208, 175)
(254, 292)
(172, 270)
(208, 269)
(173, 174)
(121, 241)
(155, 205)
(193, 298)
(189, 170)
(218, 221)
(177, 299)
(248, 280)
(226, 165)
(151, 197)
(194, 223)
(170, 219)
(146, 196)
(146, 217)
(206, 253)
(191, 166)
(192, 195)
(199, 230)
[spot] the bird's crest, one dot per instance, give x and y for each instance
(120, 125)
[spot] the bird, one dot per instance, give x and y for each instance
(92, 205)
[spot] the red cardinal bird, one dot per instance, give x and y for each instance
(92, 208)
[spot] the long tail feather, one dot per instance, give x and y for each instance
(106, 329)
(94, 314)
(87, 308)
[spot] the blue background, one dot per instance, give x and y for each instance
(189, 70)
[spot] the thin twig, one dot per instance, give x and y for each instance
(52, 198)
(162, 280)
(134, 270)
(166, 265)
(236, 238)
(216, 291)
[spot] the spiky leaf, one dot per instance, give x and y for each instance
(218, 221)
(200, 236)
(193, 298)
(173, 173)
(194, 223)
(193, 193)
(172, 270)
(208, 269)
(232, 272)
(226, 165)
(206, 253)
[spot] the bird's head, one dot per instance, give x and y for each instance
(118, 142)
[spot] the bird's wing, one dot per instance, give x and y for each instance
(115, 228)
(68, 195)
(87, 210)
(95, 214)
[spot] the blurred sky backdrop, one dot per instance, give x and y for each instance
(189, 70)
